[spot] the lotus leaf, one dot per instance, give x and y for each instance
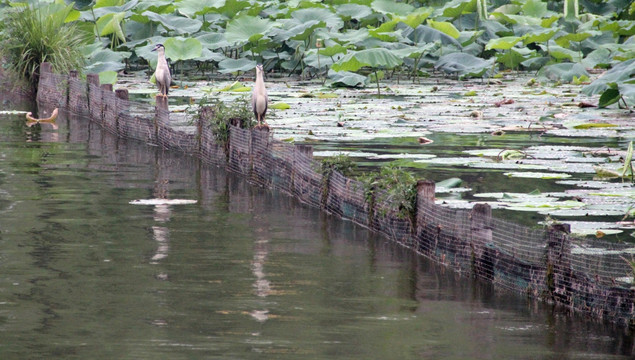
(353, 11)
(620, 73)
(464, 65)
(563, 72)
(178, 24)
(212, 40)
(231, 66)
(392, 7)
(108, 77)
(111, 24)
(332, 21)
(425, 34)
(346, 78)
(191, 8)
(182, 49)
(445, 27)
(456, 8)
(374, 58)
(246, 29)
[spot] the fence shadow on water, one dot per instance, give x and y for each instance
(589, 277)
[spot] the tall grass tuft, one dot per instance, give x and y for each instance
(32, 35)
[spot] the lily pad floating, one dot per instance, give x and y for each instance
(162, 202)
(280, 106)
(594, 125)
(537, 175)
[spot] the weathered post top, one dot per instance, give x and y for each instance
(122, 94)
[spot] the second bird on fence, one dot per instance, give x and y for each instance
(259, 97)
(162, 73)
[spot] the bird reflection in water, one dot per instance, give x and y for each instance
(162, 213)
(261, 284)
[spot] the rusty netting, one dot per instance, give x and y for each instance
(240, 151)
(388, 219)
(77, 95)
(56, 85)
(594, 277)
(346, 198)
(136, 121)
(307, 180)
(261, 157)
(282, 169)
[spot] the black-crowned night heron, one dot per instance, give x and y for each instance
(162, 72)
(259, 96)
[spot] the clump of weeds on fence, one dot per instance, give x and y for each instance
(237, 113)
(393, 187)
(341, 163)
(32, 35)
(631, 263)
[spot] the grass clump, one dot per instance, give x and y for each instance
(32, 35)
(393, 187)
(237, 113)
(341, 163)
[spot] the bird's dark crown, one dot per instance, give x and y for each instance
(158, 46)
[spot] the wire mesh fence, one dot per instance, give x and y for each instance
(594, 277)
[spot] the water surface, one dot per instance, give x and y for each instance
(244, 273)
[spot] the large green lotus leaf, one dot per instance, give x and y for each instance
(106, 55)
(247, 28)
(108, 77)
(627, 90)
(508, 9)
(392, 7)
(503, 43)
(536, 8)
(425, 34)
(293, 29)
(213, 40)
(311, 59)
(157, 6)
(182, 49)
(375, 58)
(561, 53)
(464, 65)
(332, 20)
(191, 8)
(231, 65)
(406, 51)
(111, 24)
(98, 12)
(539, 36)
(621, 72)
(352, 36)
(346, 79)
(99, 66)
(353, 11)
(563, 71)
(208, 55)
(456, 8)
(600, 57)
(445, 27)
(179, 24)
(514, 57)
(333, 50)
(565, 40)
(103, 60)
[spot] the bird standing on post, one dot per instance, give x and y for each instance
(162, 72)
(259, 96)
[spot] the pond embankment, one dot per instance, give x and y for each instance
(547, 264)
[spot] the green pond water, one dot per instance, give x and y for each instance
(88, 273)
